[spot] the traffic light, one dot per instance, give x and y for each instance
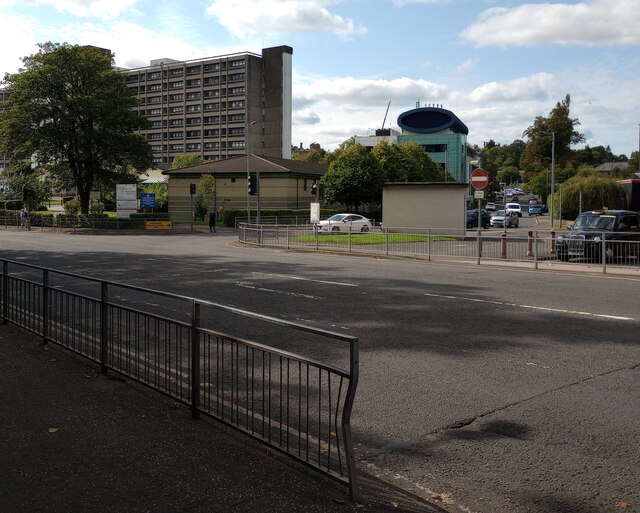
(192, 188)
(252, 184)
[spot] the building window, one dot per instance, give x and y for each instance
(212, 80)
(211, 133)
(156, 147)
(236, 90)
(435, 148)
(154, 112)
(176, 122)
(193, 133)
(176, 147)
(193, 83)
(154, 99)
(193, 96)
(193, 69)
(236, 117)
(176, 85)
(193, 146)
(155, 75)
(236, 144)
(156, 124)
(179, 108)
(193, 121)
(193, 108)
(236, 131)
(236, 104)
(212, 67)
(213, 93)
(176, 97)
(152, 137)
(176, 72)
(211, 119)
(236, 77)
(157, 160)
(236, 64)
(155, 87)
(176, 135)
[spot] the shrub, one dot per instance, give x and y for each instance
(71, 207)
(96, 206)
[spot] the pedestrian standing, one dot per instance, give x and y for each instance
(23, 219)
(212, 222)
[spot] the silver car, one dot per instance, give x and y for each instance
(500, 217)
(345, 223)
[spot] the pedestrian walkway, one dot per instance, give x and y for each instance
(74, 440)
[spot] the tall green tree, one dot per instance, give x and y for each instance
(537, 153)
(591, 190)
(70, 110)
(354, 178)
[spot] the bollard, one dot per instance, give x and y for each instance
(552, 251)
(504, 246)
(530, 244)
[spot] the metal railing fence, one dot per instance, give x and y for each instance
(299, 405)
(437, 244)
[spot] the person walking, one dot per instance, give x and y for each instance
(23, 219)
(212, 222)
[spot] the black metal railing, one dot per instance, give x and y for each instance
(296, 404)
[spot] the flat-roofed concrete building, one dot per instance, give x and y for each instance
(217, 107)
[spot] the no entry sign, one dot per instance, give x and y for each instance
(479, 179)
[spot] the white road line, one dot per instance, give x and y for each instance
(532, 307)
(283, 292)
(342, 284)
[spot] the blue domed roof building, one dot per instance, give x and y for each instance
(439, 131)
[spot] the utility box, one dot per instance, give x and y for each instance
(439, 205)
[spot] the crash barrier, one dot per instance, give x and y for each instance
(437, 244)
(176, 345)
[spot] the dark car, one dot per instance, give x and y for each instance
(472, 218)
(617, 230)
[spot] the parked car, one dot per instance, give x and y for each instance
(535, 210)
(345, 223)
(514, 207)
(618, 229)
(501, 216)
(472, 218)
(491, 207)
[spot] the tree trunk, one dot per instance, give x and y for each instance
(85, 196)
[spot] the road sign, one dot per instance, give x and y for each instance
(148, 200)
(479, 178)
(478, 194)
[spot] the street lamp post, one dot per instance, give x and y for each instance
(246, 151)
(553, 172)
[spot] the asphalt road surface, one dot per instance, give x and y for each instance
(485, 390)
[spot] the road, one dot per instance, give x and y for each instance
(487, 390)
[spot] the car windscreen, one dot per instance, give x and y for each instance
(594, 222)
(337, 217)
(499, 213)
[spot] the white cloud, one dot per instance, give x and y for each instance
(467, 65)
(535, 87)
(402, 3)
(87, 8)
(249, 17)
(589, 23)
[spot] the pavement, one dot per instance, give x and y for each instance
(75, 440)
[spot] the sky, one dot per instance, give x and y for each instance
(359, 64)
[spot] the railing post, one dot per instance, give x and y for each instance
(503, 253)
(45, 307)
(552, 250)
(287, 242)
(5, 292)
(354, 362)
(429, 245)
(350, 239)
(479, 243)
(386, 241)
(195, 361)
(529, 243)
(535, 249)
(604, 254)
(104, 326)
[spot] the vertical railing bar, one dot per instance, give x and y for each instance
(319, 413)
(104, 333)
(335, 421)
(288, 395)
(354, 363)
(5, 292)
(329, 421)
(246, 380)
(299, 408)
(195, 360)
(280, 404)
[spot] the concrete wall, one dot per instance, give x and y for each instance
(424, 205)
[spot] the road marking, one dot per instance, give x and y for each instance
(342, 284)
(532, 307)
(283, 292)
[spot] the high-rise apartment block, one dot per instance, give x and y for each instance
(217, 107)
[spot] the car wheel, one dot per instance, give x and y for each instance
(486, 226)
(335, 229)
(365, 229)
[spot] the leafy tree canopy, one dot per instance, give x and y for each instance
(354, 178)
(185, 160)
(538, 151)
(70, 110)
(591, 190)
